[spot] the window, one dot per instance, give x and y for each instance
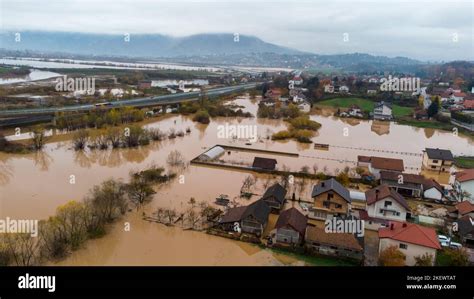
(326, 204)
(330, 196)
(388, 203)
(381, 211)
(435, 161)
(433, 167)
(338, 206)
(403, 246)
(397, 213)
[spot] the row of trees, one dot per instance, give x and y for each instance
(75, 222)
(392, 256)
(99, 118)
(115, 137)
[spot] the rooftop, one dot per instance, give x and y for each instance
(439, 154)
(410, 233)
(383, 191)
(333, 185)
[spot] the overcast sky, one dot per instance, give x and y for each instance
(425, 30)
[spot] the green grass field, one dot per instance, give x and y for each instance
(464, 162)
(364, 104)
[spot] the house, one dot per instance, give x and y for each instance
(432, 189)
(371, 91)
(412, 185)
(465, 208)
(144, 84)
(274, 196)
(412, 239)
(291, 227)
(384, 202)
(273, 94)
(382, 111)
(463, 185)
(377, 164)
(355, 111)
(404, 183)
(333, 244)
(343, 89)
(328, 88)
(304, 106)
(458, 96)
(466, 230)
(420, 114)
(330, 199)
(437, 159)
(468, 104)
(297, 80)
(249, 219)
(264, 163)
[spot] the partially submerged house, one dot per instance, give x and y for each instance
(385, 203)
(412, 239)
(264, 163)
(330, 199)
(377, 164)
(333, 244)
(437, 159)
(248, 219)
(291, 227)
(274, 196)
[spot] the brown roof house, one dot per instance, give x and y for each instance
(462, 209)
(274, 196)
(412, 185)
(249, 219)
(291, 227)
(377, 164)
(345, 245)
(330, 199)
(385, 203)
(466, 230)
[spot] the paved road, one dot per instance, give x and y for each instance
(139, 102)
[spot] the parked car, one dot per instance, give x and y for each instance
(443, 239)
(454, 245)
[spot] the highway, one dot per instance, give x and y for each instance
(138, 102)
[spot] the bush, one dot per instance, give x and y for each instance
(303, 122)
(202, 116)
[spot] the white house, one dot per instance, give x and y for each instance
(355, 111)
(377, 164)
(304, 106)
(328, 88)
(463, 185)
(411, 239)
(385, 203)
(382, 111)
(343, 89)
(432, 189)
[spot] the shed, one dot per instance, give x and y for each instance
(212, 154)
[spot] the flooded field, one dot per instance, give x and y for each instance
(34, 185)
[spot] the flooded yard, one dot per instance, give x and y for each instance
(32, 186)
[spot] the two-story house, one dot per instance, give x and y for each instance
(437, 159)
(463, 185)
(330, 199)
(382, 111)
(291, 227)
(247, 219)
(377, 164)
(385, 203)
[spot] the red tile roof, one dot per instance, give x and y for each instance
(464, 207)
(410, 233)
(466, 175)
(468, 104)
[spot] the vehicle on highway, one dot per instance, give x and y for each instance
(103, 104)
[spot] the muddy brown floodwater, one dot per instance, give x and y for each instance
(32, 186)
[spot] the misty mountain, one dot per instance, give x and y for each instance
(139, 45)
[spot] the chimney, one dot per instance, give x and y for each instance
(404, 224)
(377, 191)
(391, 226)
